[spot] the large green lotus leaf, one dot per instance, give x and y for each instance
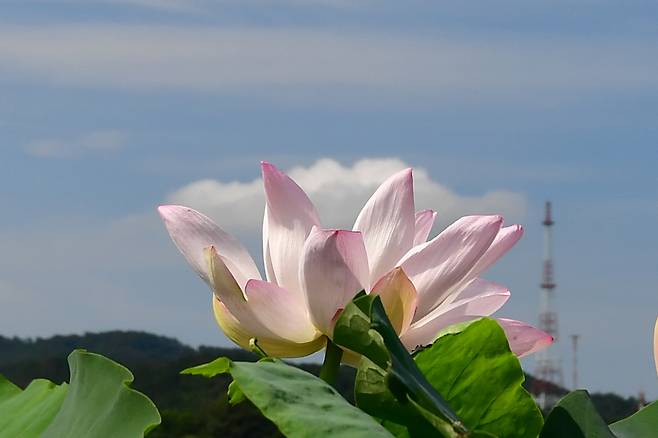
(27, 413)
(576, 417)
(7, 389)
(481, 379)
(300, 404)
(100, 403)
(96, 404)
(643, 423)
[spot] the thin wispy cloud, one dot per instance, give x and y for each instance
(92, 142)
(167, 5)
(200, 6)
(324, 64)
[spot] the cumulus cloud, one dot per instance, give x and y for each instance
(339, 191)
(96, 141)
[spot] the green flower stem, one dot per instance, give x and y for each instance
(331, 365)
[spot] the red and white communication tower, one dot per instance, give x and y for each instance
(549, 368)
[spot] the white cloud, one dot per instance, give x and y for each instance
(303, 63)
(339, 192)
(96, 141)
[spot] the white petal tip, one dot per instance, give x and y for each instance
(168, 210)
(164, 210)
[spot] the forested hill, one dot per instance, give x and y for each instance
(191, 407)
(120, 345)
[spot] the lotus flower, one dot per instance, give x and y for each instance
(312, 273)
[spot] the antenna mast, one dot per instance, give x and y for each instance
(549, 370)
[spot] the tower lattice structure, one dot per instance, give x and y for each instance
(548, 366)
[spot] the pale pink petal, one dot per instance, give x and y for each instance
(524, 339)
(388, 224)
(437, 268)
(480, 298)
(334, 267)
(267, 258)
(264, 310)
(192, 232)
(504, 241)
(290, 217)
(230, 324)
(420, 335)
(280, 311)
(239, 321)
(235, 331)
(227, 290)
(424, 222)
(399, 298)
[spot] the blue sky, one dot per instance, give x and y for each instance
(109, 108)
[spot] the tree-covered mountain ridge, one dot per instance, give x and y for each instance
(191, 407)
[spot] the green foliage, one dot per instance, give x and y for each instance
(221, 365)
(575, 416)
(364, 328)
(300, 404)
(97, 403)
(28, 413)
(643, 423)
(354, 330)
(200, 408)
(482, 379)
(467, 380)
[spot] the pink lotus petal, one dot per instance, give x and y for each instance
(273, 347)
(504, 241)
(267, 258)
(480, 298)
(230, 325)
(399, 298)
(192, 232)
(437, 267)
(524, 339)
(227, 290)
(388, 224)
(424, 222)
(334, 267)
(265, 311)
(290, 215)
(280, 312)
(419, 335)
